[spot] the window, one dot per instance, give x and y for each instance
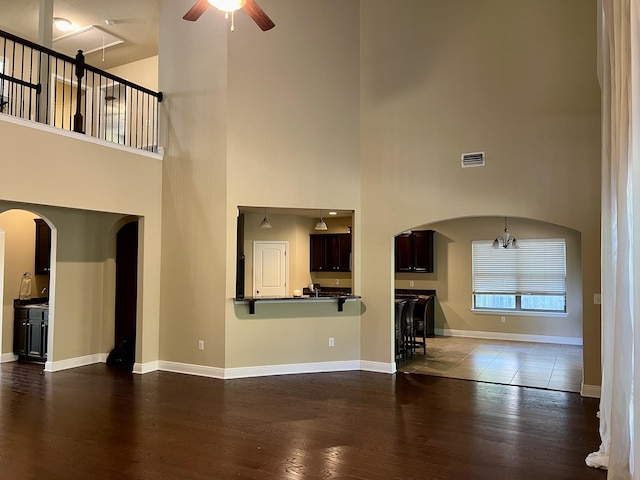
(530, 278)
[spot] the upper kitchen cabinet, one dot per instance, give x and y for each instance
(414, 251)
(43, 248)
(330, 252)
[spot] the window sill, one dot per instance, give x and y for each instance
(520, 313)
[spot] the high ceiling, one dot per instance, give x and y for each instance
(135, 22)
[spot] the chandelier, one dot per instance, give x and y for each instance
(505, 240)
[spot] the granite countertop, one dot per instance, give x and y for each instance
(325, 296)
(338, 298)
(36, 302)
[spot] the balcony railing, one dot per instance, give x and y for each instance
(39, 84)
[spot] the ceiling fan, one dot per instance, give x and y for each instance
(250, 6)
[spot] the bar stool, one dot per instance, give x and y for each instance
(409, 336)
(399, 330)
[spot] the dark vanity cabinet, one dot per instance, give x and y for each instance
(414, 251)
(30, 333)
(43, 247)
(330, 252)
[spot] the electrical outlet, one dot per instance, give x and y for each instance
(503, 319)
(331, 341)
(200, 344)
(597, 300)
(337, 282)
(411, 283)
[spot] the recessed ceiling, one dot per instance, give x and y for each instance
(88, 39)
(135, 22)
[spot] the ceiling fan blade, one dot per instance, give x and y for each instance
(258, 15)
(198, 9)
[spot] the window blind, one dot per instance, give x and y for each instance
(536, 267)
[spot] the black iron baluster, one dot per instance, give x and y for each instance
(78, 119)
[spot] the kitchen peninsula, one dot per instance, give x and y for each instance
(338, 295)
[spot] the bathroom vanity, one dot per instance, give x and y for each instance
(30, 330)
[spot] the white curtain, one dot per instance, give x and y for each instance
(619, 74)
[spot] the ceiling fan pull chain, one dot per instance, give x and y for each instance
(233, 26)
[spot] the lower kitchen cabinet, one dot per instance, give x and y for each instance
(30, 332)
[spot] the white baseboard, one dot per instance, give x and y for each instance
(147, 367)
(591, 391)
(292, 368)
(258, 371)
(8, 357)
(518, 337)
(378, 367)
(74, 362)
(190, 369)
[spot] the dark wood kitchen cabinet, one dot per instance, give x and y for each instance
(30, 332)
(415, 251)
(330, 252)
(43, 248)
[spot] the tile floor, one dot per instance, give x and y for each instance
(540, 365)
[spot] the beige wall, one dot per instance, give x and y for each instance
(293, 141)
(75, 183)
(514, 79)
(452, 279)
(143, 72)
(240, 136)
(193, 78)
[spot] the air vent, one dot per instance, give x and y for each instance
(475, 159)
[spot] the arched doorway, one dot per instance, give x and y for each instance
(25, 252)
(512, 345)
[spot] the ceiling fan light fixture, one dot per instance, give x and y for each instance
(228, 5)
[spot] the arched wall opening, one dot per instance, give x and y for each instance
(451, 279)
(81, 289)
(17, 260)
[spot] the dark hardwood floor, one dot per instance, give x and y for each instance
(99, 422)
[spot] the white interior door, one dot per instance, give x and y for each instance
(270, 269)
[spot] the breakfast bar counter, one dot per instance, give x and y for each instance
(322, 298)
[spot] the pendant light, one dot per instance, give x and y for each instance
(505, 240)
(321, 225)
(265, 223)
